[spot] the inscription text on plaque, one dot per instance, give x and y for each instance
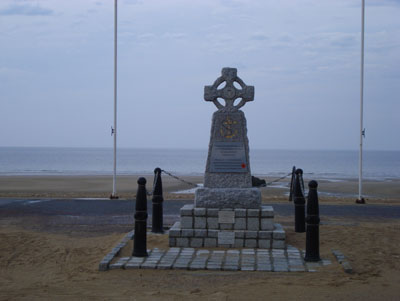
(228, 157)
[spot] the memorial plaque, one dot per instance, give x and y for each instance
(228, 157)
(226, 217)
(226, 238)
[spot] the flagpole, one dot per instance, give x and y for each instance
(114, 131)
(362, 131)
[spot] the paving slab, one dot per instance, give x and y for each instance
(247, 259)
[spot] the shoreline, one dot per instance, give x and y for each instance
(100, 186)
(270, 176)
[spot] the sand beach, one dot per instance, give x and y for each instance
(56, 186)
(42, 261)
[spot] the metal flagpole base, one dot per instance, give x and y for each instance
(114, 197)
(362, 201)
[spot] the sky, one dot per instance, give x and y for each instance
(302, 57)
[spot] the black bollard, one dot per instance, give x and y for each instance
(299, 203)
(140, 243)
(312, 235)
(157, 221)
(292, 184)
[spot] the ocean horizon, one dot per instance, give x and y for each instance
(321, 164)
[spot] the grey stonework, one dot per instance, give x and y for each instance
(227, 211)
(253, 223)
(228, 198)
(253, 228)
(187, 210)
(200, 222)
(228, 126)
(210, 242)
(187, 222)
(212, 223)
(247, 259)
(199, 211)
(212, 212)
(264, 243)
(267, 224)
(240, 223)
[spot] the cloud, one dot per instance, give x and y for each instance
(383, 2)
(13, 74)
(231, 3)
(133, 2)
(174, 35)
(26, 10)
(331, 40)
(259, 37)
(146, 36)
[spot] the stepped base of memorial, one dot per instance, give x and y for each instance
(241, 198)
(227, 228)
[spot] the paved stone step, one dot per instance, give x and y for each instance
(275, 260)
(209, 238)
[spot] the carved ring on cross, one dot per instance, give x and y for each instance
(229, 93)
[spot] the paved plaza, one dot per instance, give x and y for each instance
(248, 259)
(290, 260)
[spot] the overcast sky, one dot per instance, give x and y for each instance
(302, 56)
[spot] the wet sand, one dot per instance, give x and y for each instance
(377, 192)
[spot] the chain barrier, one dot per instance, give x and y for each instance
(196, 185)
(179, 179)
(150, 193)
(278, 179)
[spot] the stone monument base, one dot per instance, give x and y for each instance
(247, 198)
(227, 228)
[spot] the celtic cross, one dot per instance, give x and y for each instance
(229, 93)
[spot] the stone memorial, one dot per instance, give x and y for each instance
(227, 211)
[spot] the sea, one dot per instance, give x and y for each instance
(317, 164)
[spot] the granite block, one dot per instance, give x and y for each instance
(103, 266)
(265, 234)
(239, 234)
(239, 243)
(186, 222)
(212, 212)
(210, 242)
(278, 234)
(250, 243)
(187, 232)
(226, 226)
(239, 212)
(251, 234)
(200, 222)
(253, 223)
(213, 233)
(240, 223)
(199, 211)
(278, 244)
(253, 212)
(200, 233)
(174, 232)
(196, 242)
(226, 238)
(187, 210)
(264, 243)
(212, 222)
(267, 224)
(182, 242)
(228, 197)
(267, 211)
(172, 241)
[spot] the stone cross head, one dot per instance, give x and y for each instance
(229, 92)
